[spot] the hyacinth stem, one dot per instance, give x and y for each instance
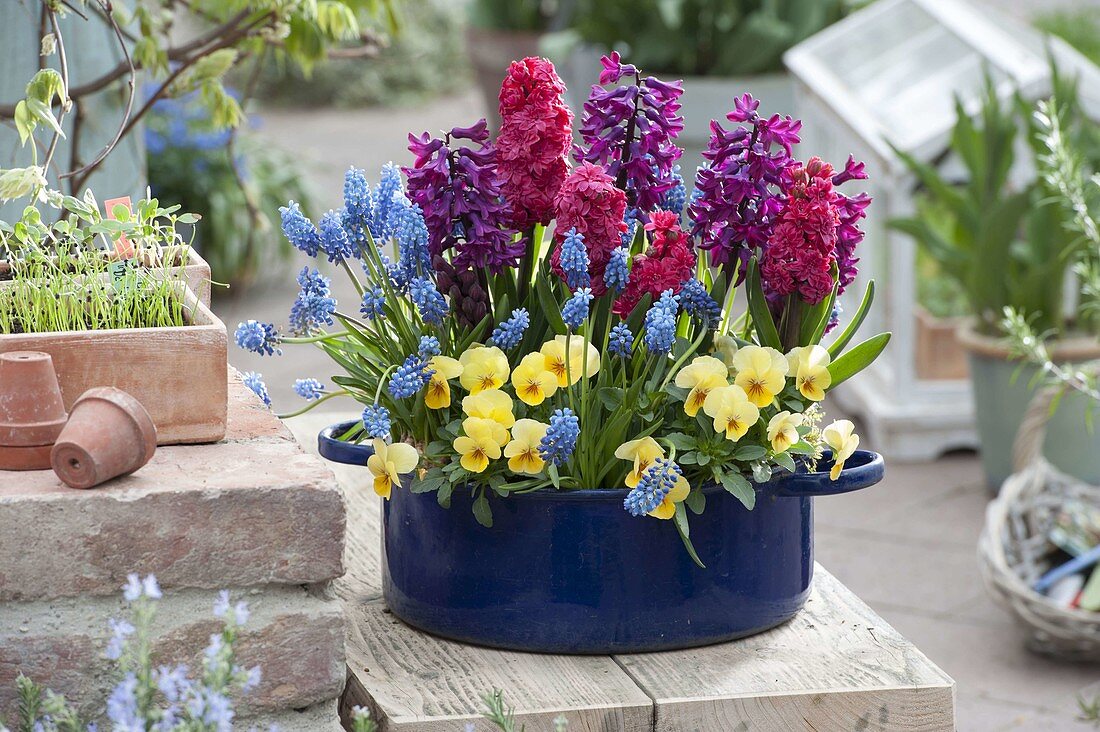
(312, 404)
(527, 265)
(323, 336)
(354, 279)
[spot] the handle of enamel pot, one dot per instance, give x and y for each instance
(338, 451)
(867, 469)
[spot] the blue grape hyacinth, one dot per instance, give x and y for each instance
(374, 303)
(576, 308)
(313, 307)
(574, 260)
(261, 338)
(255, 382)
(410, 377)
(430, 303)
(335, 242)
(621, 341)
(617, 273)
(561, 437)
(309, 389)
(429, 346)
(299, 230)
(376, 421)
(698, 303)
(660, 323)
(655, 484)
(508, 334)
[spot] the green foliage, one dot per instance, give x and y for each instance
(1003, 244)
(1080, 27)
(425, 59)
(704, 37)
(532, 16)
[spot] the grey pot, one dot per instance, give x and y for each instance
(1002, 392)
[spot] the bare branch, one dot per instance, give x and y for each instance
(63, 61)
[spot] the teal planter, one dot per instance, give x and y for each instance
(1002, 392)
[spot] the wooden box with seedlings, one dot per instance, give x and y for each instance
(110, 300)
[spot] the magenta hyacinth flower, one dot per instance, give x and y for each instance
(459, 190)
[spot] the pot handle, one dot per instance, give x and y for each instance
(863, 470)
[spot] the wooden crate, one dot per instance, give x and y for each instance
(178, 374)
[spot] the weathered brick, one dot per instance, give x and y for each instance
(296, 638)
(249, 511)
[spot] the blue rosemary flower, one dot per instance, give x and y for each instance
(309, 389)
(508, 334)
(410, 377)
(561, 437)
(313, 307)
(376, 421)
(574, 260)
(255, 382)
(428, 300)
(660, 323)
(656, 482)
(374, 302)
(621, 341)
(576, 308)
(699, 304)
(299, 230)
(334, 240)
(617, 273)
(261, 338)
(429, 346)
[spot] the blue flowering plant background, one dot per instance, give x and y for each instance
(500, 359)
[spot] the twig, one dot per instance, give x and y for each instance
(64, 63)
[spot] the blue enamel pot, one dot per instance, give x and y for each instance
(573, 572)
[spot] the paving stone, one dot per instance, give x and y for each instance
(249, 511)
(323, 717)
(297, 639)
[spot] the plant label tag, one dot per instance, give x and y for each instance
(123, 247)
(118, 270)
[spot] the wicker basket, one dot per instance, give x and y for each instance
(1014, 542)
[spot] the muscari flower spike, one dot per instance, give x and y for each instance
(575, 311)
(313, 307)
(429, 346)
(376, 421)
(621, 341)
(655, 484)
(508, 334)
(299, 230)
(335, 242)
(410, 377)
(660, 323)
(561, 437)
(428, 300)
(698, 303)
(574, 260)
(255, 382)
(374, 303)
(309, 389)
(261, 338)
(617, 273)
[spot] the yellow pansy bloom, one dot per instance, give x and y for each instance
(438, 394)
(479, 444)
(666, 509)
(810, 366)
(731, 410)
(523, 451)
(761, 373)
(483, 367)
(554, 351)
(389, 463)
(701, 375)
(783, 430)
(642, 452)
(841, 438)
(533, 381)
(725, 347)
(496, 430)
(492, 404)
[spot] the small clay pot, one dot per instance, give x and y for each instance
(108, 434)
(32, 412)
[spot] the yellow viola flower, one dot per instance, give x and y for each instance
(761, 372)
(783, 430)
(810, 366)
(731, 410)
(483, 367)
(725, 347)
(389, 463)
(479, 444)
(491, 404)
(701, 375)
(642, 452)
(523, 451)
(533, 381)
(438, 394)
(841, 438)
(666, 509)
(554, 351)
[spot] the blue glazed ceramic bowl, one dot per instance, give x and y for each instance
(573, 572)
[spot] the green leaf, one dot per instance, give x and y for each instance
(433, 481)
(188, 218)
(758, 308)
(750, 452)
(680, 441)
(549, 305)
(785, 461)
(740, 488)
(443, 495)
(482, 512)
(688, 458)
(857, 320)
(552, 471)
(858, 358)
(681, 520)
(610, 396)
(696, 501)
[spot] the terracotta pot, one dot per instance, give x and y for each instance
(32, 412)
(109, 434)
(940, 355)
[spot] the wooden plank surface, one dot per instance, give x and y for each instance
(835, 666)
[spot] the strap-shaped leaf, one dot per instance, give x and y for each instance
(857, 320)
(857, 359)
(758, 308)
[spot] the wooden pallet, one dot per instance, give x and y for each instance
(835, 666)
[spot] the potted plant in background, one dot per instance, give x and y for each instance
(499, 31)
(566, 428)
(721, 49)
(1012, 244)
